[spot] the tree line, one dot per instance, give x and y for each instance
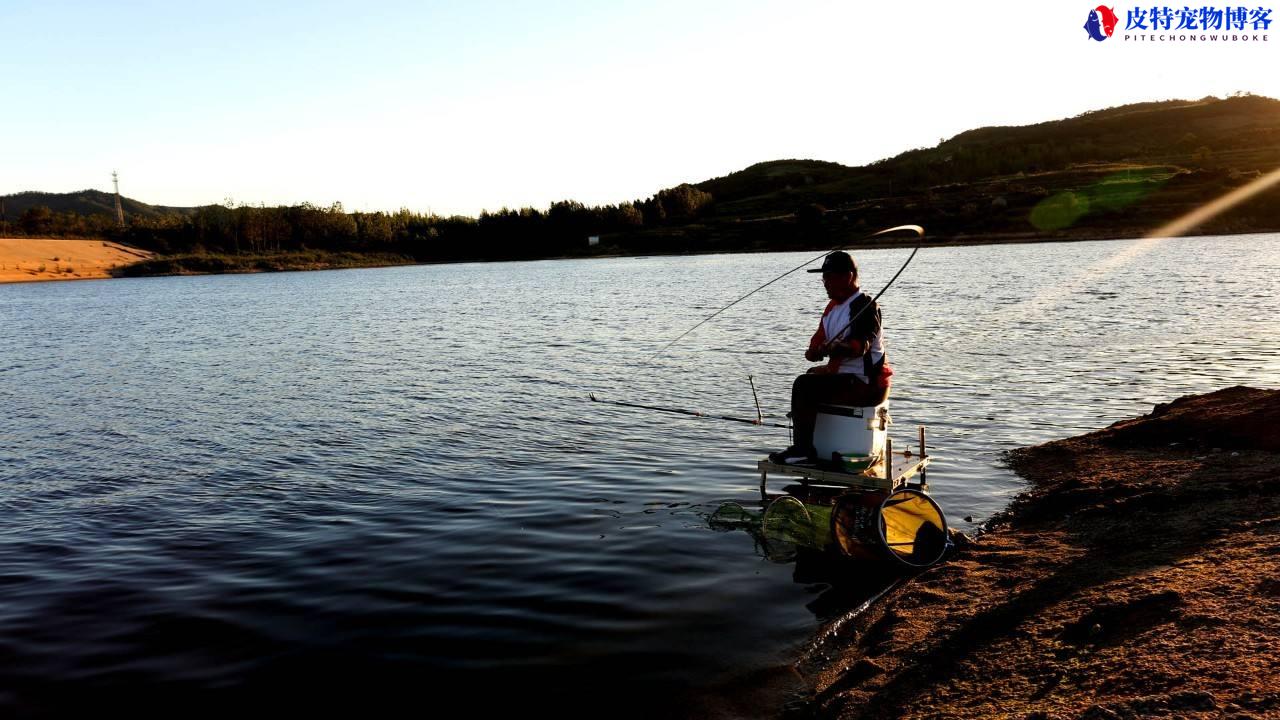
(40, 221)
(561, 229)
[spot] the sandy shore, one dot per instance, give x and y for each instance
(1138, 576)
(26, 259)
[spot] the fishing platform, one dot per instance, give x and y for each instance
(870, 465)
(861, 501)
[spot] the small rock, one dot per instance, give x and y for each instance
(1235, 454)
(1193, 700)
(968, 518)
(1096, 630)
(1097, 712)
(867, 668)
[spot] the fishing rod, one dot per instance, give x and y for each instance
(914, 228)
(694, 413)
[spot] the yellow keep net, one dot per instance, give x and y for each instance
(912, 526)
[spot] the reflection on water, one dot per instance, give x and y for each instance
(383, 485)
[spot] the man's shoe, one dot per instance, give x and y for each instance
(793, 454)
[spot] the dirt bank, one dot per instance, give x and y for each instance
(1138, 576)
(25, 259)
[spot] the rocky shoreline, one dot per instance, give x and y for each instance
(1138, 576)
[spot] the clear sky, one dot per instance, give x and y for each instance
(454, 107)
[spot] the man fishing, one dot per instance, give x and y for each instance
(849, 338)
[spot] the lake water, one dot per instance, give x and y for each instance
(356, 488)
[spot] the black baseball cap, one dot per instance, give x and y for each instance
(837, 262)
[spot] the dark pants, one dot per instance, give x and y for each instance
(810, 391)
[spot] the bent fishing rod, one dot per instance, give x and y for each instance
(849, 325)
(919, 231)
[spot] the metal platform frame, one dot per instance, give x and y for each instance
(904, 466)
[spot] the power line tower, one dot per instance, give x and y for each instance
(115, 179)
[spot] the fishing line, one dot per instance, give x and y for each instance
(914, 228)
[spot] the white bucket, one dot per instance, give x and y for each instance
(850, 431)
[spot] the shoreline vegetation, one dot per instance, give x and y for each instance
(1115, 173)
(217, 264)
(1136, 576)
(132, 262)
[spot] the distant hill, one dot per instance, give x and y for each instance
(1236, 134)
(84, 202)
